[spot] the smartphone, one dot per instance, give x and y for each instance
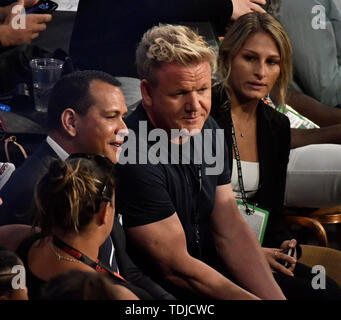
(290, 252)
(43, 6)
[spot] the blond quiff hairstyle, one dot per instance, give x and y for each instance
(168, 44)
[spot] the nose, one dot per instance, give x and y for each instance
(122, 130)
(260, 69)
(192, 103)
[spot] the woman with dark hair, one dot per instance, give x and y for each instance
(255, 56)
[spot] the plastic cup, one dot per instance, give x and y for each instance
(45, 73)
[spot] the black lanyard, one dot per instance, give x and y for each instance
(196, 209)
(96, 265)
(240, 175)
(197, 232)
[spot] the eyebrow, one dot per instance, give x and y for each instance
(256, 53)
(116, 111)
(113, 109)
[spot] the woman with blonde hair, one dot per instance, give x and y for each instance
(255, 56)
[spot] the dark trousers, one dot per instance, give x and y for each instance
(300, 286)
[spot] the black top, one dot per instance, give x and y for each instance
(18, 198)
(105, 35)
(34, 283)
(152, 192)
(273, 142)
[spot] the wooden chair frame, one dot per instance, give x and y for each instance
(314, 219)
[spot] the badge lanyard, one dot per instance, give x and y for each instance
(195, 211)
(240, 175)
(96, 265)
(197, 232)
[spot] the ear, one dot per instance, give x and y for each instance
(104, 212)
(68, 120)
(146, 92)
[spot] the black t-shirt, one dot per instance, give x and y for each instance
(152, 192)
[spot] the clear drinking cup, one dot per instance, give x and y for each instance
(45, 73)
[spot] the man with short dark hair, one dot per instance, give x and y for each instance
(85, 115)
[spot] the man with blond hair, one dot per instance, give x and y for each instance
(181, 216)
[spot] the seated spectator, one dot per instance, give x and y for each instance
(85, 114)
(80, 285)
(254, 55)
(75, 214)
(181, 215)
(8, 261)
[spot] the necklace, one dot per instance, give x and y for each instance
(82, 258)
(242, 134)
(60, 257)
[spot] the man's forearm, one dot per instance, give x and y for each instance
(165, 243)
(198, 277)
(303, 137)
(320, 113)
(242, 254)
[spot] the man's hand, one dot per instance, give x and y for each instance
(6, 11)
(34, 23)
(241, 7)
